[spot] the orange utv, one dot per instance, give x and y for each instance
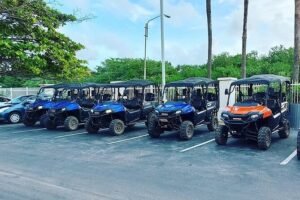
(260, 110)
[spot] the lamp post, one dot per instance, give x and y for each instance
(146, 37)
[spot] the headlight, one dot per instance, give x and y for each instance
(4, 109)
(225, 115)
(40, 107)
(92, 111)
(255, 116)
(63, 109)
(156, 111)
(178, 112)
(108, 111)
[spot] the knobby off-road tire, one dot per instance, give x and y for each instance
(50, 124)
(264, 138)
(43, 120)
(221, 135)
(186, 131)
(116, 127)
(153, 128)
(71, 123)
(286, 129)
(27, 121)
(90, 128)
(214, 123)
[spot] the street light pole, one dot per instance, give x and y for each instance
(146, 37)
(163, 67)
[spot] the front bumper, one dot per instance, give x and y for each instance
(169, 121)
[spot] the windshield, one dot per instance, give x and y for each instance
(249, 94)
(178, 93)
(46, 93)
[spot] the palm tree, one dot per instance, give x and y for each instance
(297, 41)
(208, 13)
(244, 39)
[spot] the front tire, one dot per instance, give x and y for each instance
(221, 135)
(264, 138)
(50, 124)
(116, 127)
(214, 123)
(153, 128)
(90, 128)
(285, 132)
(71, 123)
(28, 122)
(15, 118)
(186, 130)
(43, 120)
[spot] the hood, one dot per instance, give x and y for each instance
(173, 107)
(39, 102)
(70, 105)
(114, 106)
(237, 110)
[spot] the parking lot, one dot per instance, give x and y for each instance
(39, 164)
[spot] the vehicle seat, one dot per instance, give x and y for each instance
(273, 101)
(106, 97)
(196, 99)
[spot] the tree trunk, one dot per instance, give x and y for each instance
(209, 30)
(297, 42)
(244, 40)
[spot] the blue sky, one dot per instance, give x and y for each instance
(117, 29)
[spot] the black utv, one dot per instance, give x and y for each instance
(123, 105)
(189, 103)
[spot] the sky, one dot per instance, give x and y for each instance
(116, 29)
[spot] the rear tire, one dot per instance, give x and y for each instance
(286, 129)
(298, 146)
(71, 123)
(116, 127)
(15, 118)
(186, 130)
(264, 138)
(153, 129)
(90, 128)
(214, 123)
(50, 124)
(43, 120)
(28, 122)
(221, 135)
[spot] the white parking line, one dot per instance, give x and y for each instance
(62, 136)
(133, 138)
(289, 158)
(197, 145)
(32, 130)
(10, 125)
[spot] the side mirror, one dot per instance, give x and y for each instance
(226, 92)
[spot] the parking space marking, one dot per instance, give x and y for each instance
(128, 139)
(197, 145)
(10, 125)
(62, 136)
(289, 158)
(32, 130)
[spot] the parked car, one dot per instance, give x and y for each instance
(14, 110)
(189, 103)
(260, 110)
(123, 105)
(36, 111)
(72, 106)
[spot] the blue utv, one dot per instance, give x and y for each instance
(37, 111)
(298, 145)
(72, 106)
(189, 103)
(123, 105)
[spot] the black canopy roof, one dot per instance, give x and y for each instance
(262, 79)
(132, 83)
(191, 82)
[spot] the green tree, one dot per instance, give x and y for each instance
(30, 44)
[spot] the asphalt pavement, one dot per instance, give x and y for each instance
(36, 163)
